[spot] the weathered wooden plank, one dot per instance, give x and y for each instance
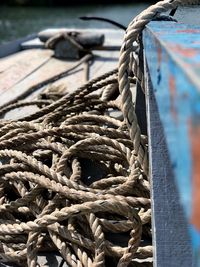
(173, 55)
(172, 245)
(104, 61)
(188, 15)
(71, 82)
(107, 60)
(46, 71)
(9, 61)
(18, 69)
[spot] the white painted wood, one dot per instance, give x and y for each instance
(34, 43)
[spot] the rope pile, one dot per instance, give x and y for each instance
(49, 200)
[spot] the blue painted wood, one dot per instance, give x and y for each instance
(171, 242)
(14, 46)
(172, 53)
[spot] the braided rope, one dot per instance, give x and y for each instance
(132, 33)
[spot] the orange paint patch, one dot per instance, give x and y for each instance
(195, 145)
(188, 31)
(184, 51)
(172, 88)
(159, 51)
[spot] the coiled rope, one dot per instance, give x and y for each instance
(48, 201)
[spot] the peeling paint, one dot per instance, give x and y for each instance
(194, 135)
(188, 31)
(177, 96)
(184, 51)
(172, 88)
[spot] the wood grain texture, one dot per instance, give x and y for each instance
(26, 64)
(172, 53)
(103, 61)
(46, 71)
(8, 61)
(171, 241)
(19, 76)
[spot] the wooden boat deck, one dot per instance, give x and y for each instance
(32, 66)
